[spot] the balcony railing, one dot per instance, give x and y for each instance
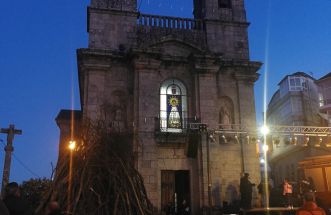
(153, 29)
(169, 22)
(161, 125)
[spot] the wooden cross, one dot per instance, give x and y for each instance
(11, 131)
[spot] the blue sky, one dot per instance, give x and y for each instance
(38, 69)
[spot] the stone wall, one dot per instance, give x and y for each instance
(111, 29)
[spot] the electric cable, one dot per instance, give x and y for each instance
(20, 162)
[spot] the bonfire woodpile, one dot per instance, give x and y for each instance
(101, 179)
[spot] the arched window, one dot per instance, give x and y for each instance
(173, 106)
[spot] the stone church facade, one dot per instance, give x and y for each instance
(161, 77)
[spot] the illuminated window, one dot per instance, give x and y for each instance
(173, 106)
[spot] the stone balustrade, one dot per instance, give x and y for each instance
(155, 21)
(152, 29)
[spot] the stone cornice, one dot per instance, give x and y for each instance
(227, 22)
(112, 11)
(146, 64)
(100, 52)
(254, 65)
(100, 56)
(244, 70)
(251, 77)
(205, 63)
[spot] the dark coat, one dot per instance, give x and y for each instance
(18, 206)
(3, 209)
(246, 188)
(55, 212)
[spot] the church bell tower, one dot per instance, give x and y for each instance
(110, 23)
(225, 26)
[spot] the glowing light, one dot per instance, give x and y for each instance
(306, 141)
(223, 140)
(318, 143)
(72, 145)
(265, 130)
(265, 147)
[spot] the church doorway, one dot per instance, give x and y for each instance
(175, 188)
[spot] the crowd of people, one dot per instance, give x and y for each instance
(13, 203)
(284, 198)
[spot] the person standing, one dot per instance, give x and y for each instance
(3, 208)
(310, 207)
(246, 188)
(15, 203)
(53, 208)
(184, 208)
(287, 193)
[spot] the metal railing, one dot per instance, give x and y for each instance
(161, 125)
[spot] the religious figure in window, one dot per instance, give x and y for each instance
(173, 106)
(174, 111)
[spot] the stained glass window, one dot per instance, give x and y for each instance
(173, 106)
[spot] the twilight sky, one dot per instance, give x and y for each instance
(38, 68)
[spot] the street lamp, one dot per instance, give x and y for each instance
(72, 145)
(265, 130)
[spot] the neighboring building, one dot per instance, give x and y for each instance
(324, 89)
(157, 74)
(295, 103)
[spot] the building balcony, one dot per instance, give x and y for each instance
(174, 134)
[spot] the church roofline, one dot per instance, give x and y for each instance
(66, 114)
